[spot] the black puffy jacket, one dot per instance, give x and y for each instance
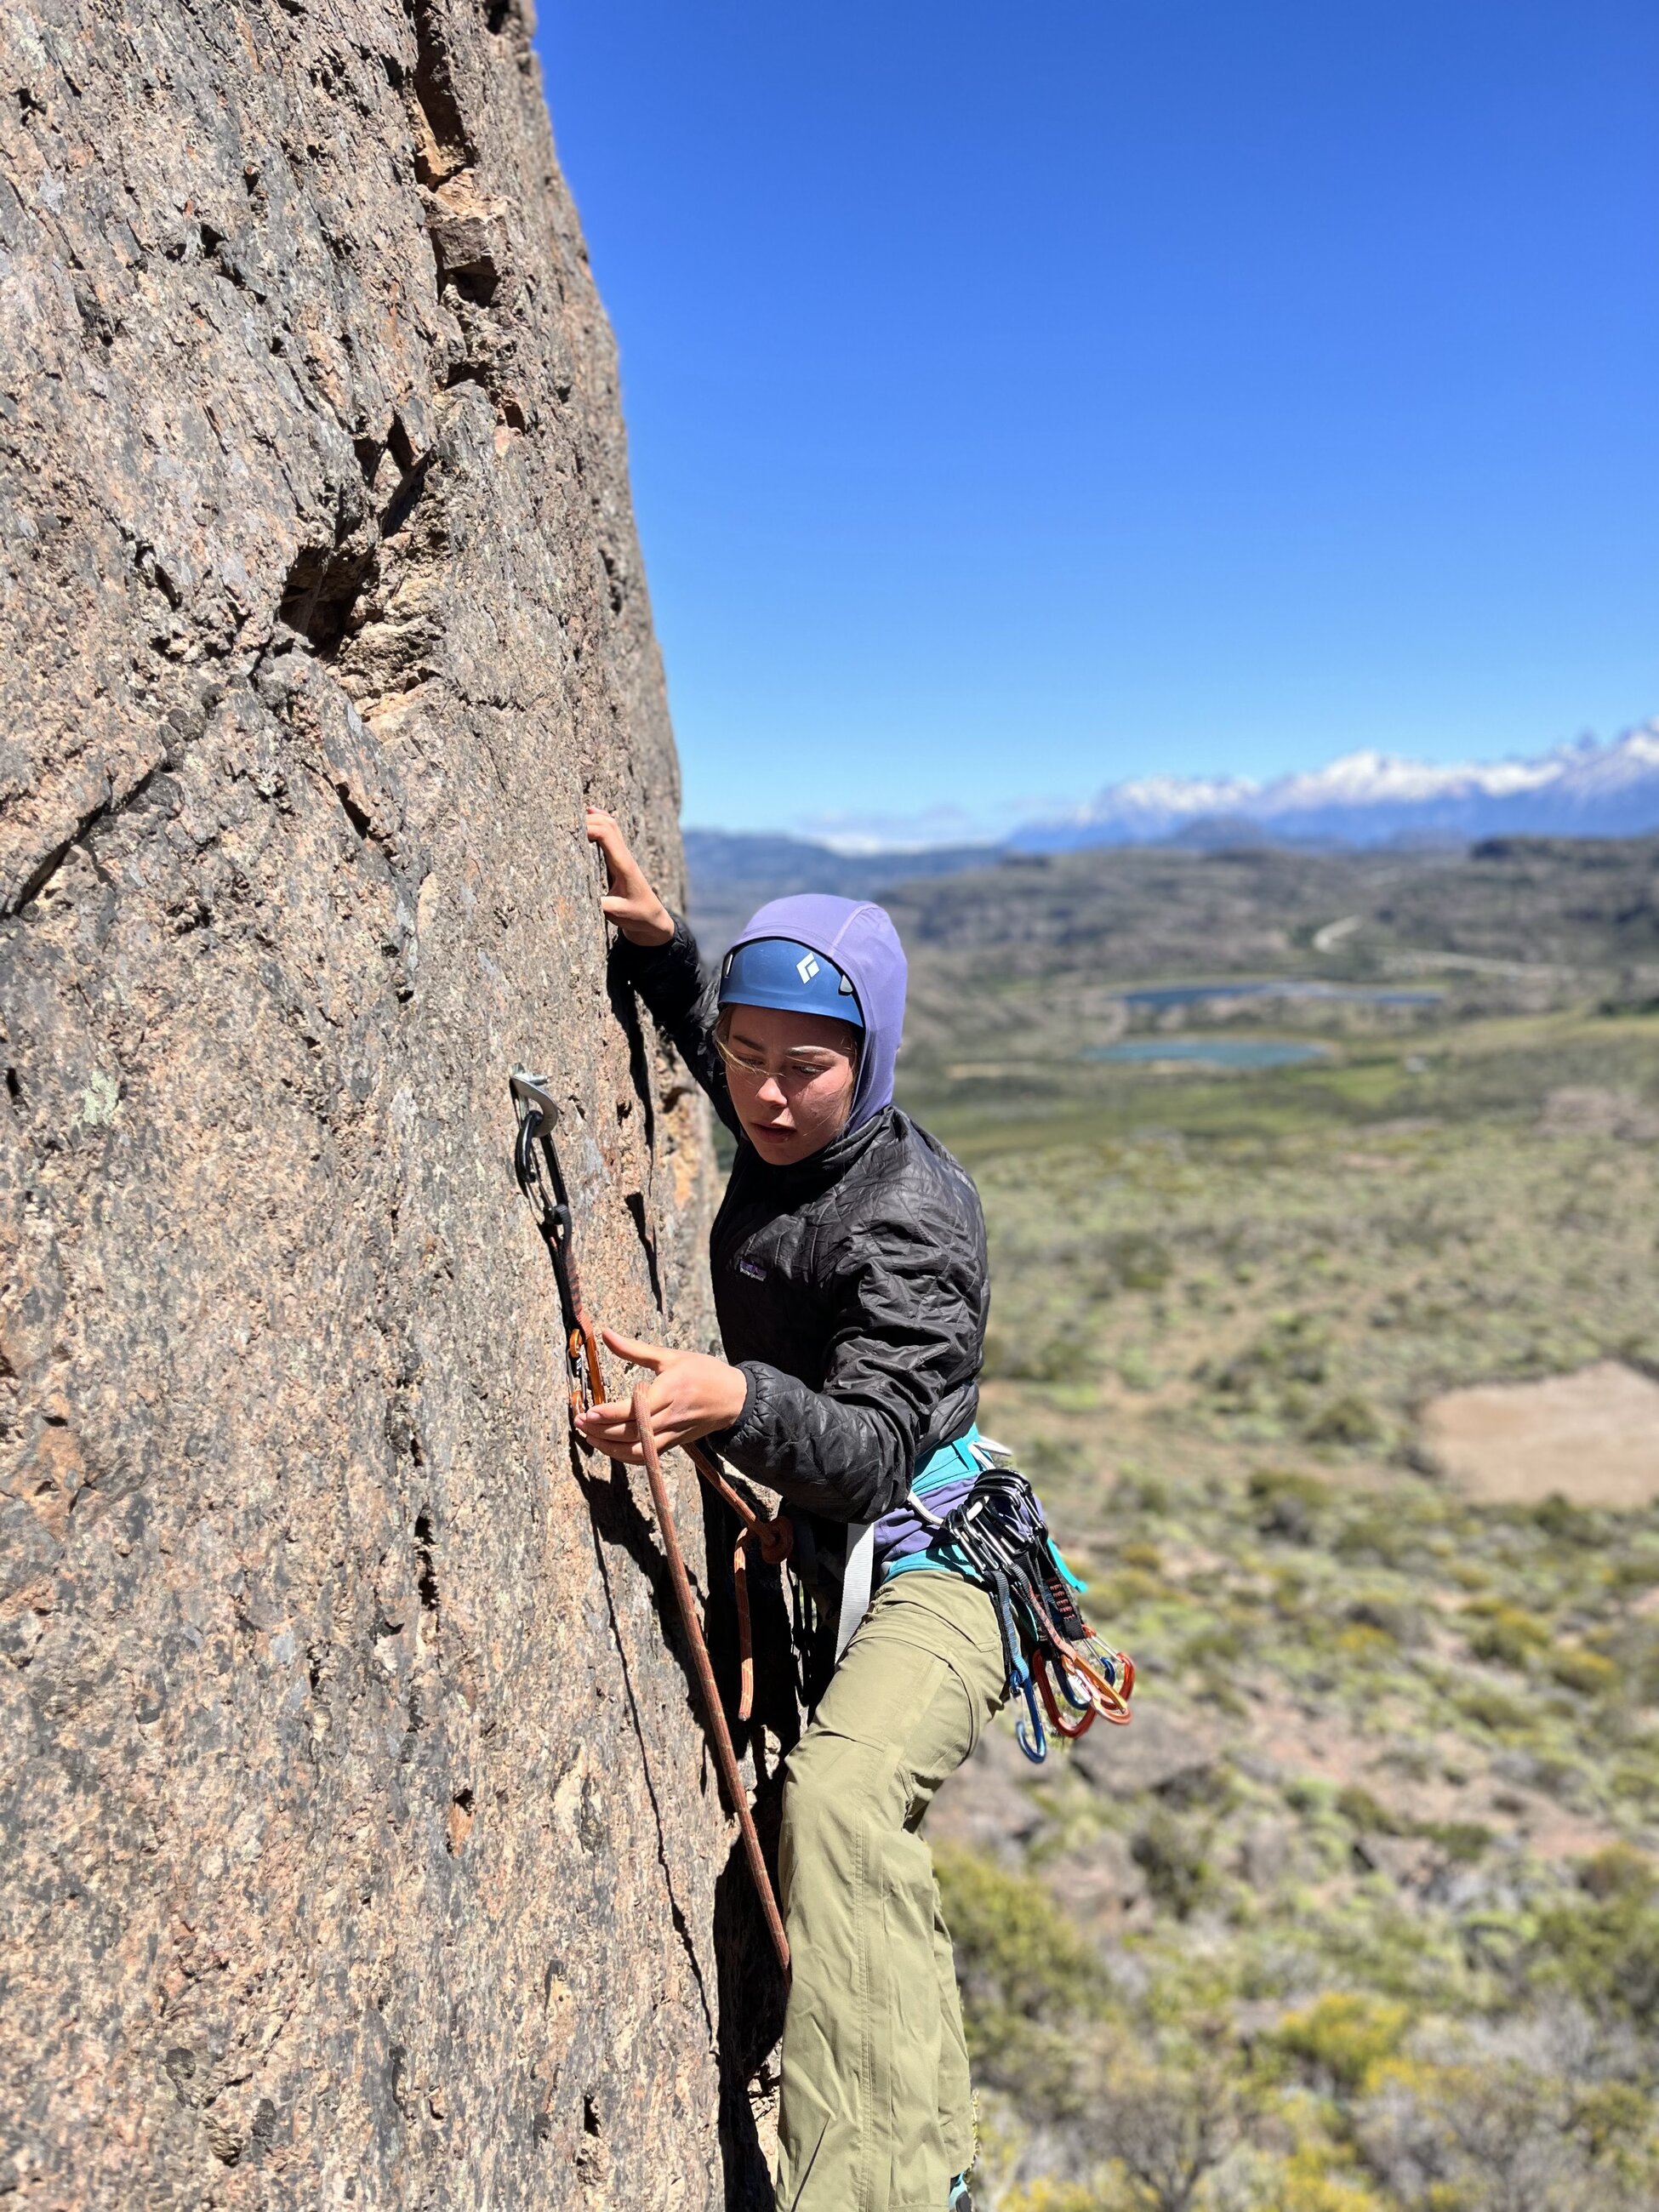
(852, 1288)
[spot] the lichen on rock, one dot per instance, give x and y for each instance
(358, 1845)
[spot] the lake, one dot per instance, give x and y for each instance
(1214, 1051)
(1191, 994)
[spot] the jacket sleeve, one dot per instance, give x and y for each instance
(681, 1000)
(907, 1327)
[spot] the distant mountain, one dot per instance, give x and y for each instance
(1583, 790)
(1364, 800)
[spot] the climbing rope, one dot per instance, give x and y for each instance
(535, 1166)
(774, 1539)
(724, 1753)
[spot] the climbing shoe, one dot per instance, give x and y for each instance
(959, 2199)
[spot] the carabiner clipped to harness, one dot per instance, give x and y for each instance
(1035, 1744)
(537, 1170)
(998, 1537)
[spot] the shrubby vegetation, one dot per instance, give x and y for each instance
(1362, 1914)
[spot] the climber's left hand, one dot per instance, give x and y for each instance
(692, 1395)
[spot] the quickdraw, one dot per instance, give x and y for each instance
(537, 1111)
(535, 1166)
(998, 1537)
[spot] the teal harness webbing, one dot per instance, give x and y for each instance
(949, 1465)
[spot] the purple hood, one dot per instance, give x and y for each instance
(861, 941)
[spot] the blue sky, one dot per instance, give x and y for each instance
(1022, 397)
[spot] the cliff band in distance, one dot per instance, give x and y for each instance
(359, 1847)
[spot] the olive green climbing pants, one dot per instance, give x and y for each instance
(876, 2112)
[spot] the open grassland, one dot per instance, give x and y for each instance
(1362, 1913)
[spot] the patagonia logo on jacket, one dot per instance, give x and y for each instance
(754, 1269)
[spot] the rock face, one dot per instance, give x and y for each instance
(359, 1847)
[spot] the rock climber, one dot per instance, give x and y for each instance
(850, 1280)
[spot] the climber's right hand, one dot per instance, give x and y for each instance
(632, 904)
(691, 1394)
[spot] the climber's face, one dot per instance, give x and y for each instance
(792, 1078)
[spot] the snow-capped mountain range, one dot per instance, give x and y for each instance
(1583, 789)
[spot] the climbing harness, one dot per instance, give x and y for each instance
(549, 1202)
(532, 1153)
(997, 1536)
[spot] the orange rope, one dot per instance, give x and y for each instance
(774, 1539)
(724, 1755)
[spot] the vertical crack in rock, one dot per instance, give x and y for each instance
(442, 144)
(465, 223)
(337, 1693)
(636, 1204)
